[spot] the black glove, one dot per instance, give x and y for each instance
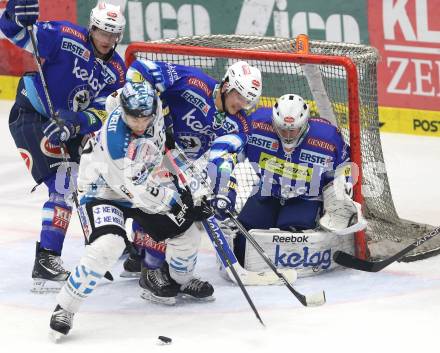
(23, 12)
(182, 209)
(202, 212)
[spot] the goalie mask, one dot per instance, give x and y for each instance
(290, 120)
(246, 80)
(108, 18)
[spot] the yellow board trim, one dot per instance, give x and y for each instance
(8, 87)
(410, 121)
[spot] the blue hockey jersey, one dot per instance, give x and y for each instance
(301, 174)
(189, 94)
(76, 79)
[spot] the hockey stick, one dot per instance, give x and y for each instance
(218, 244)
(249, 278)
(347, 260)
(310, 300)
(53, 116)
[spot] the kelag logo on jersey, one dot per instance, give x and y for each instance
(312, 157)
(76, 48)
(319, 259)
(196, 100)
(265, 142)
(83, 75)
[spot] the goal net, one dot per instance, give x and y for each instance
(339, 81)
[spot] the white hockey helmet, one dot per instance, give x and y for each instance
(246, 80)
(290, 120)
(139, 99)
(107, 17)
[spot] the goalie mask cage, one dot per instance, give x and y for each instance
(339, 81)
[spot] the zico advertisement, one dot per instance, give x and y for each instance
(407, 34)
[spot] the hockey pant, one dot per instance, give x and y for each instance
(41, 158)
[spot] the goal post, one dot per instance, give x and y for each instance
(339, 81)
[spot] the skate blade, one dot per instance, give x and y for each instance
(147, 295)
(127, 274)
(211, 298)
(56, 336)
(42, 286)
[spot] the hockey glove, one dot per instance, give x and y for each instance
(23, 12)
(183, 208)
(202, 212)
(65, 128)
(221, 204)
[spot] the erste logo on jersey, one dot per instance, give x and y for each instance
(198, 101)
(230, 125)
(76, 48)
(312, 157)
(265, 142)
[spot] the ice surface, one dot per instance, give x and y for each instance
(395, 310)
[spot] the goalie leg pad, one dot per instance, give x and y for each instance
(99, 257)
(181, 255)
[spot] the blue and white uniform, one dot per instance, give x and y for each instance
(78, 82)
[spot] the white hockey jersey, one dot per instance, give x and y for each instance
(119, 166)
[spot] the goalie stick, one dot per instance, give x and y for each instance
(218, 244)
(350, 261)
(311, 300)
(53, 116)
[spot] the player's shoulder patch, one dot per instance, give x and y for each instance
(118, 66)
(73, 31)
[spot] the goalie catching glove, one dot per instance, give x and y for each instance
(342, 215)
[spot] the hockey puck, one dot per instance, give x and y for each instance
(164, 340)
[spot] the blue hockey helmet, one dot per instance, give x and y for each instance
(138, 99)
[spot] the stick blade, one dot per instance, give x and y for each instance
(316, 299)
(350, 261)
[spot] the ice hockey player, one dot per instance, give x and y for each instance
(201, 109)
(122, 176)
(81, 69)
(304, 169)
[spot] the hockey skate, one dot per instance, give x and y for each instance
(198, 290)
(132, 267)
(48, 273)
(157, 285)
(60, 323)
